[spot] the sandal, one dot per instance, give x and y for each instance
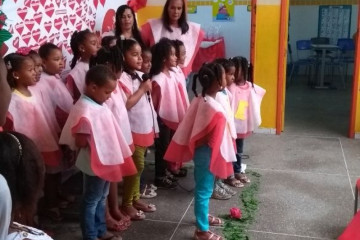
(182, 172)
(148, 193)
(110, 236)
(144, 207)
(210, 236)
(215, 221)
(242, 177)
(138, 216)
(233, 182)
(116, 226)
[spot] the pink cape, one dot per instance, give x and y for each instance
(142, 116)
(204, 123)
(153, 31)
(60, 101)
(352, 230)
(117, 106)
(246, 103)
(224, 98)
(75, 81)
(27, 116)
(180, 77)
(109, 152)
(172, 100)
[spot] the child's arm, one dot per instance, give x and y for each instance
(156, 95)
(81, 140)
(134, 98)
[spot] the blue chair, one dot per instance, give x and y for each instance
(303, 47)
(346, 52)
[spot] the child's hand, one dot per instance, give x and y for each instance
(146, 86)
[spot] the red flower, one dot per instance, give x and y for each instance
(235, 213)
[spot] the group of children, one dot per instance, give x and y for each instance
(117, 101)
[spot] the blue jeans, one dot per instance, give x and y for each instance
(204, 185)
(93, 223)
(239, 151)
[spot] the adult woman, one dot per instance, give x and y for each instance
(23, 170)
(174, 25)
(126, 25)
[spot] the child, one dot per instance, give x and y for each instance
(104, 154)
(108, 41)
(112, 58)
(203, 136)
(84, 44)
(222, 191)
(170, 103)
(38, 63)
(50, 84)
(139, 105)
(246, 106)
(27, 104)
(147, 58)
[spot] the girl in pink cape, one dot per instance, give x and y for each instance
(174, 25)
(84, 44)
(205, 137)
(112, 57)
(104, 154)
(143, 122)
(28, 115)
(170, 102)
(246, 102)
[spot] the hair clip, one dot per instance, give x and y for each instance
(8, 65)
(24, 51)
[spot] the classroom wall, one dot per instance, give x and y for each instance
(304, 23)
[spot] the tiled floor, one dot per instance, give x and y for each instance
(306, 184)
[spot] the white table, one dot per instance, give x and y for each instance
(323, 48)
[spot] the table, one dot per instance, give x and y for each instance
(215, 49)
(323, 48)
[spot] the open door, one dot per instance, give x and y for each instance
(354, 110)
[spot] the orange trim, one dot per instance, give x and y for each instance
(253, 31)
(355, 87)
(281, 66)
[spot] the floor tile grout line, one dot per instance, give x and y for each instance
(287, 234)
(187, 209)
(310, 136)
(160, 221)
(347, 169)
(293, 171)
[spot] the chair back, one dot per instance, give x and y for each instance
(346, 44)
(303, 45)
(320, 40)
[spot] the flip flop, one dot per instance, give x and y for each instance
(147, 208)
(138, 216)
(215, 221)
(116, 226)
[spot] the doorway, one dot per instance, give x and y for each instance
(319, 94)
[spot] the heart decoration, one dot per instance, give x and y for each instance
(35, 4)
(102, 2)
(73, 19)
(79, 11)
(78, 1)
(96, 3)
(58, 23)
(38, 17)
(43, 2)
(58, 2)
(49, 9)
(34, 47)
(79, 26)
(26, 38)
(71, 4)
(19, 27)
(11, 29)
(42, 40)
(52, 37)
(16, 42)
(59, 45)
(36, 34)
(57, 35)
(91, 25)
(29, 23)
(64, 2)
(48, 26)
(22, 12)
(66, 19)
(66, 32)
(27, 3)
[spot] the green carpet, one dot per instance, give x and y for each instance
(236, 229)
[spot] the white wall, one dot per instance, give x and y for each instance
(304, 23)
(236, 33)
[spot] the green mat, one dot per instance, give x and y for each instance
(236, 229)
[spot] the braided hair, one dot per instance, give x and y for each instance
(207, 74)
(13, 63)
(108, 56)
(76, 39)
(242, 65)
(226, 63)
